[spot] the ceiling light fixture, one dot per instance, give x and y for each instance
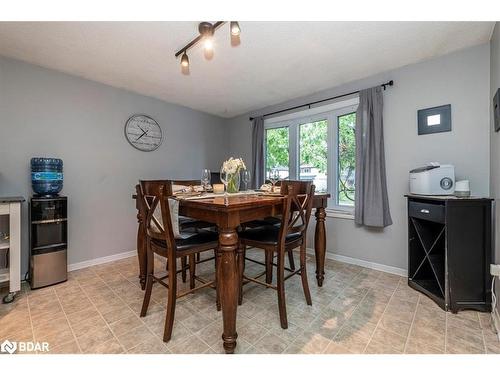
(208, 44)
(206, 31)
(235, 28)
(185, 60)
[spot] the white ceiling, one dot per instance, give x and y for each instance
(275, 62)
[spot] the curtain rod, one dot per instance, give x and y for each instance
(384, 85)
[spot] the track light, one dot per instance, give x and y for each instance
(206, 37)
(235, 28)
(208, 44)
(185, 60)
(206, 30)
(185, 64)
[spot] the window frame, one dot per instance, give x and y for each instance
(330, 113)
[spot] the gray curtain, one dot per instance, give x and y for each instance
(258, 152)
(371, 201)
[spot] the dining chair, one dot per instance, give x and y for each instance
(276, 221)
(270, 220)
(143, 208)
(160, 240)
(215, 178)
(268, 256)
(290, 234)
(187, 223)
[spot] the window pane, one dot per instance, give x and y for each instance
(277, 151)
(314, 153)
(346, 159)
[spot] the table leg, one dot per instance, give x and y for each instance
(228, 240)
(141, 252)
(320, 244)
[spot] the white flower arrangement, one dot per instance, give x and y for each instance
(233, 166)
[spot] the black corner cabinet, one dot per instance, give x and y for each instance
(450, 250)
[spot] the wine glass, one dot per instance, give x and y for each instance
(224, 177)
(274, 177)
(205, 178)
(245, 176)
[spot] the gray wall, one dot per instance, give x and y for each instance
(460, 79)
(47, 113)
(495, 138)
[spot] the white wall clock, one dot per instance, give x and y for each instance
(143, 132)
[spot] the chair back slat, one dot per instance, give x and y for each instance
(297, 207)
(215, 178)
(156, 210)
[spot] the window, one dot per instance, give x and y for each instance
(277, 146)
(317, 145)
(313, 149)
(346, 161)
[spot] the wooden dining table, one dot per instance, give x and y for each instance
(228, 213)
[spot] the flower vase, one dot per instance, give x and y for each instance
(233, 183)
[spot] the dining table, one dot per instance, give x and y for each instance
(228, 213)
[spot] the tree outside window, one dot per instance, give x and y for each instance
(315, 157)
(346, 159)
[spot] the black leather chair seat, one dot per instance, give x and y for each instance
(207, 238)
(188, 223)
(271, 220)
(267, 234)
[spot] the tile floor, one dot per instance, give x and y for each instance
(358, 310)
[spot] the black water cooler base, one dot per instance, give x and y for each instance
(49, 241)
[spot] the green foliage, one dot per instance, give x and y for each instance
(347, 158)
(314, 145)
(277, 148)
(313, 142)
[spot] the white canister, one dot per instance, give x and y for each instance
(462, 188)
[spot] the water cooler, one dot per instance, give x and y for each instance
(48, 214)
(48, 240)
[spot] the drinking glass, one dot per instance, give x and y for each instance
(205, 178)
(274, 176)
(245, 175)
(224, 177)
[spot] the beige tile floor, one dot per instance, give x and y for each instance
(358, 310)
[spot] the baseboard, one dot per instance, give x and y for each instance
(364, 263)
(329, 255)
(102, 260)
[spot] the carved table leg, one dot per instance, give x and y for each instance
(228, 240)
(141, 252)
(320, 244)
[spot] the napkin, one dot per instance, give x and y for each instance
(269, 188)
(182, 189)
(173, 205)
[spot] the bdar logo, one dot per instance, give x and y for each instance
(8, 347)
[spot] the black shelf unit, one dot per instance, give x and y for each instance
(450, 250)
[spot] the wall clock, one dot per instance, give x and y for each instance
(143, 132)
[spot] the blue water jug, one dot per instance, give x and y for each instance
(46, 176)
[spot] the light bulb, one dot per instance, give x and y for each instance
(208, 44)
(235, 28)
(185, 60)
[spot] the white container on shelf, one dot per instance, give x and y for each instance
(462, 188)
(11, 206)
